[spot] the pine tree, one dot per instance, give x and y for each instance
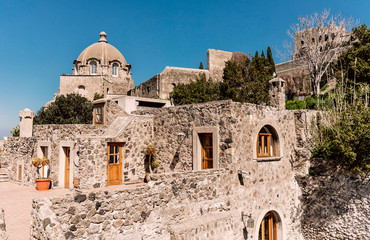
(271, 61)
(201, 65)
(263, 55)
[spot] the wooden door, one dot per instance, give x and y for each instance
(19, 172)
(67, 166)
(268, 229)
(207, 150)
(114, 166)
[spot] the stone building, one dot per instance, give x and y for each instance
(100, 69)
(295, 72)
(226, 170)
(162, 84)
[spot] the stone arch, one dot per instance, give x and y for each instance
(280, 223)
(273, 125)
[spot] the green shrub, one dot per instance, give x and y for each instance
(347, 141)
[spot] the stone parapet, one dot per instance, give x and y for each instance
(204, 205)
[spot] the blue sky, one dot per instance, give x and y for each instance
(40, 39)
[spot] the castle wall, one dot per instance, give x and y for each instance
(149, 88)
(173, 76)
(193, 205)
(161, 85)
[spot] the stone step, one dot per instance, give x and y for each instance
(3, 176)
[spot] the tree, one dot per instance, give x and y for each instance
(319, 39)
(201, 65)
(98, 96)
(354, 63)
(246, 81)
(343, 134)
(15, 131)
(270, 60)
(198, 91)
(70, 109)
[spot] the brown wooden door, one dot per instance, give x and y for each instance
(114, 166)
(207, 150)
(67, 165)
(268, 229)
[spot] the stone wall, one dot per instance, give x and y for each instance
(296, 76)
(193, 205)
(335, 205)
(18, 154)
(173, 76)
(112, 111)
(237, 125)
(3, 234)
(92, 153)
(149, 88)
(161, 85)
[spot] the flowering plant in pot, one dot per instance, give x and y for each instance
(42, 182)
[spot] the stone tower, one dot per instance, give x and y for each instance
(277, 93)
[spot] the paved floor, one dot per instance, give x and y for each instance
(16, 201)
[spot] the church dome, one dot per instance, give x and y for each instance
(102, 51)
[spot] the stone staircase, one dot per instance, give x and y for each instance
(3, 175)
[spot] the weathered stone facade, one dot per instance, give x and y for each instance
(335, 204)
(188, 203)
(3, 234)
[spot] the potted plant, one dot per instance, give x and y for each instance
(43, 182)
(151, 161)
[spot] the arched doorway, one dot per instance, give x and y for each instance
(268, 227)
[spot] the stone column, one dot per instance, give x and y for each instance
(26, 122)
(277, 93)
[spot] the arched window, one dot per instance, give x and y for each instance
(115, 69)
(268, 230)
(266, 143)
(81, 87)
(93, 68)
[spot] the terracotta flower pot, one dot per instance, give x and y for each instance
(43, 184)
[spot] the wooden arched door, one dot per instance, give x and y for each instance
(268, 229)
